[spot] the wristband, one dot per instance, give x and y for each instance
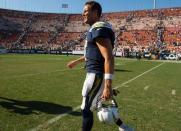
(108, 76)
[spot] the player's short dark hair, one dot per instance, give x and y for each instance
(95, 6)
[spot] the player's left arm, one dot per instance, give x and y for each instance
(105, 47)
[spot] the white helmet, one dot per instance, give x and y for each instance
(108, 114)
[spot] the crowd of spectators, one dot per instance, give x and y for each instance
(136, 31)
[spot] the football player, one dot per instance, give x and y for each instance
(99, 64)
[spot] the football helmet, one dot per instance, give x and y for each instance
(108, 112)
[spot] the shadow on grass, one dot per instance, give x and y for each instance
(35, 107)
(122, 70)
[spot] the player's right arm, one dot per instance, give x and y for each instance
(73, 63)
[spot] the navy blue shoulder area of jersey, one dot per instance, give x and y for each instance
(103, 32)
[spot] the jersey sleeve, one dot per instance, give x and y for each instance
(101, 33)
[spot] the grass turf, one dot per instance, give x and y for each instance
(38, 88)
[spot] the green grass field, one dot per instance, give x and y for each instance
(38, 92)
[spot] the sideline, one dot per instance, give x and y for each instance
(162, 61)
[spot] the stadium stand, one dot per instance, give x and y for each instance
(146, 31)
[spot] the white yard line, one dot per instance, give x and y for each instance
(125, 85)
(53, 120)
(139, 76)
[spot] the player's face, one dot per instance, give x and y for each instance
(89, 16)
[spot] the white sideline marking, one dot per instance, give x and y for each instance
(139, 76)
(146, 87)
(173, 92)
(125, 85)
(50, 121)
